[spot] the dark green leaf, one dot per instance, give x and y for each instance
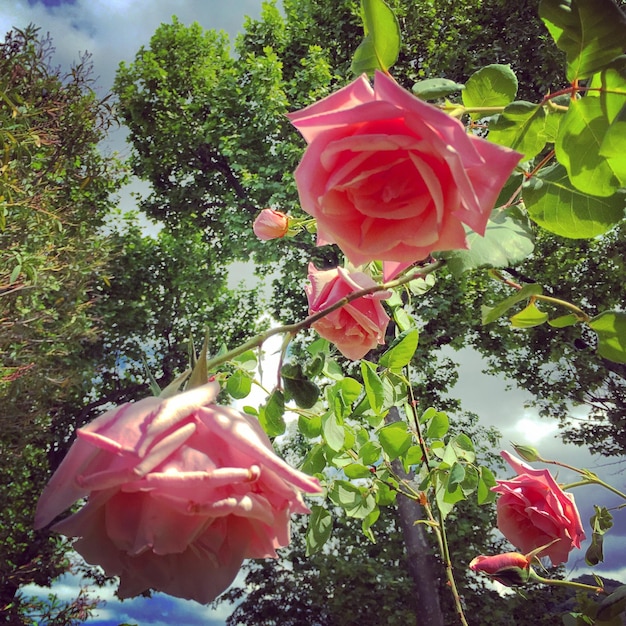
(356, 501)
(591, 32)
(310, 427)
(319, 529)
(304, 392)
(239, 384)
(401, 350)
(271, 415)
(520, 127)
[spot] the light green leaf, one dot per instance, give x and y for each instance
(271, 415)
(434, 88)
(357, 470)
(247, 360)
(577, 147)
(310, 427)
(319, 529)
(554, 204)
(610, 327)
(403, 319)
(380, 48)
(564, 320)
(401, 350)
(446, 498)
(591, 32)
(333, 432)
(373, 386)
(485, 482)
(385, 495)
(438, 426)
(491, 86)
(456, 477)
(529, 317)
(508, 240)
(395, 439)
(521, 127)
(370, 452)
(368, 521)
(356, 501)
(491, 314)
(464, 447)
(612, 146)
(239, 384)
(315, 460)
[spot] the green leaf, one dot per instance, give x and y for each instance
(470, 482)
(612, 146)
(402, 318)
(491, 86)
(490, 314)
(564, 320)
(304, 392)
(577, 147)
(357, 470)
(529, 317)
(247, 360)
(333, 432)
(310, 427)
(554, 204)
(464, 447)
(485, 482)
(438, 426)
(370, 452)
(368, 521)
(239, 384)
(395, 439)
(456, 477)
(401, 350)
(271, 415)
(385, 495)
(610, 327)
(380, 48)
(373, 386)
(315, 460)
(434, 88)
(319, 529)
(591, 32)
(356, 501)
(508, 240)
(446, 497)
(520, 127)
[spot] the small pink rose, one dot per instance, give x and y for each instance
(356, 327)
(270, 224)
(534, 511)
(391, 178)
(179, 491)
(509, 568)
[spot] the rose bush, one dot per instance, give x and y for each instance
(270, 224)
(356, 327)
(533, 511)
(179, 491)
(392, 178)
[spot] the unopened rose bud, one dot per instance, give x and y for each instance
(528, 453)
(510, 568)
(270, 224)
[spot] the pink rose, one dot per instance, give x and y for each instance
(510, 568)
(533, 511)
(392, 178)
(270, 224)
(179, 490)
(355, 328)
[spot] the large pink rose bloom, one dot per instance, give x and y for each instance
(392, 178)
(533, 511)
(179, 491)
(355, 328)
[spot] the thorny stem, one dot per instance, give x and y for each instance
(292, 329)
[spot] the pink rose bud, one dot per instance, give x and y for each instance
(355, 328)
(180, 491)
(533, 511)
(510, 568)
(389, 177)
(270, 224)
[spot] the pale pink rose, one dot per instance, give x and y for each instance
(355, 328)
(270, 224)
(533, 511)
(390, 177)
(179, 491)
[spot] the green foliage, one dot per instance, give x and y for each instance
(491, 86)
(381, 44)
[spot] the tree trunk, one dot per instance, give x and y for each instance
(422, 564)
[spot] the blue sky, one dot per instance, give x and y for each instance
(113, 30)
